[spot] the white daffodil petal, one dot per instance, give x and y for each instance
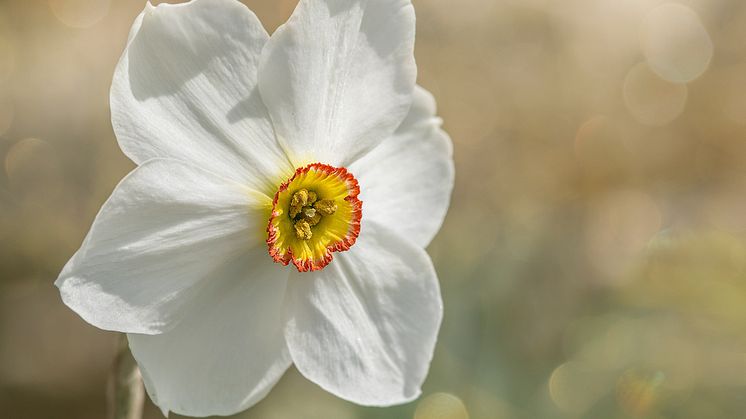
(365, 327)
(165, 228)
(406, 182)
(186, 88)
(228, 351)
(337, 78)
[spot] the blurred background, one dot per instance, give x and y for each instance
(593, 262)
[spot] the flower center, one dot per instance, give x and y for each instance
(306, 210)
(314, 213)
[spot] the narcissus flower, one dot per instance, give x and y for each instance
(286, 187)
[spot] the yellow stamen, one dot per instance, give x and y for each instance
(306, 212)
(312, 216)
(299, 200)
(303, 230)
(326, 206)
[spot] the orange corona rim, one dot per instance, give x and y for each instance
(314, 213)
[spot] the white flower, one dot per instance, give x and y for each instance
(250, 151)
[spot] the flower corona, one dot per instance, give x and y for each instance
(314, 213)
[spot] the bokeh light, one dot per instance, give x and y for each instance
(676, 44)
(650, 99)
(79, 13)
(574, 387)
(441, 406)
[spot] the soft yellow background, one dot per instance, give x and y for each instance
(593, 262)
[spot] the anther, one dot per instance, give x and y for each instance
(307, 210)
(326, 206)
(303, 230)
(312, 216)
(298, 201)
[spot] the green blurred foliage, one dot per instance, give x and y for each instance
(593, 262)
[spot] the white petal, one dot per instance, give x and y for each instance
(422, 112)
(364, 327)
(165, 228)
(406, 181)
(337, 78)
(229, 350)
(185, 88)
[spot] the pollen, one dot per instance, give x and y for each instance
(314, 213)
(306, 212)
(326, 207)
(303, 230)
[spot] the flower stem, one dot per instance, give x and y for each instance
(126, 392)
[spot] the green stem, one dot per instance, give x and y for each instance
(126, 392)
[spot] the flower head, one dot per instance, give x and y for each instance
(311, 148)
